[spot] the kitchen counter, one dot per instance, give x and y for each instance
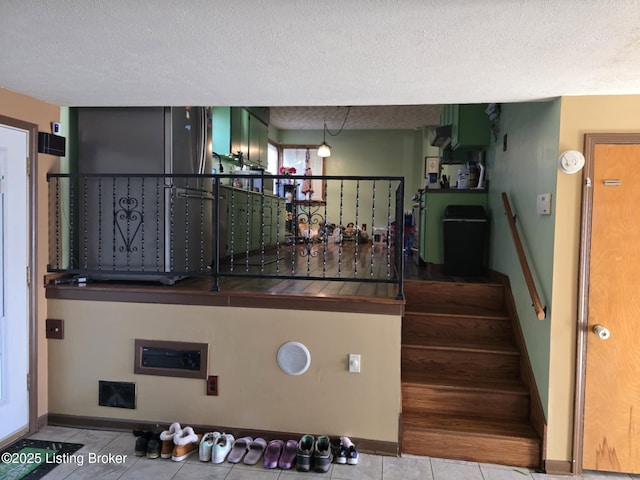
(244, 190)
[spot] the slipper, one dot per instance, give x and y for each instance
(272, 453)
(289, 453)
(256, 449)
(240, 447)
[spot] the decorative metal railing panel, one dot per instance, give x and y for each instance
(167, 227)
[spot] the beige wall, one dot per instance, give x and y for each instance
(27, 109)
(579, 115)
(254, 393)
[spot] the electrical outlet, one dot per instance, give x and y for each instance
(354, 362)
(212, 385)
(54, 328)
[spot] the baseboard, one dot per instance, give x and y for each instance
(558, 467)
(376, 447)
(43, 421)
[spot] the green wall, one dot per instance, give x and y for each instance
(527, 168)
(397, 153)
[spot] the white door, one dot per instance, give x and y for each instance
(14, 305)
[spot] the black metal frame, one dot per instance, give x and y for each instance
(128, 219)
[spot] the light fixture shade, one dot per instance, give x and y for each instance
(324, 150)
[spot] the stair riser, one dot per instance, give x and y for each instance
(473, 448)
(425, 399)
(453, 362)
(462, 328)
(482, 296)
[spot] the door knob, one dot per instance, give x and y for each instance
(602, 332)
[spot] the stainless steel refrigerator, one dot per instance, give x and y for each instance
(143, 228)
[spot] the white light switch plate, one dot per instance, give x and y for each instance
(543, 204)
(354, 362)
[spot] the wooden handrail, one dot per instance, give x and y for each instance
(541, 312)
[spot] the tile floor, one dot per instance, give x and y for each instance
(370, 467)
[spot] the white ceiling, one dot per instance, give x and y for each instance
(300, 53)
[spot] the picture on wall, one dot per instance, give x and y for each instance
(431, 165)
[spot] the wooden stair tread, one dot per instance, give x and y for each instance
(455, 310)
(484, 346)
(468, 426)
(466, 384)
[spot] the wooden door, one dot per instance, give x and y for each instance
(612, 383)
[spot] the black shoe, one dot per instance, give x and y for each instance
(305, 451)
(142, 443)
(154, 446)
(322, 456)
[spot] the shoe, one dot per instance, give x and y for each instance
(206, 446)
(221, 448)
(256, 449)
(322, 456)
(154, 446)
(352, 453)
(288, 457)
(272, 453)
(340, 454)
(167, 440)
(141, 445)
(304, 453)
(186, 443)
(239, 449)
(147, 443)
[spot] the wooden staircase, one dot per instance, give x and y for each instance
(462, 392)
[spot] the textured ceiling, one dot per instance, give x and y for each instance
(285, 53)
(355, 118)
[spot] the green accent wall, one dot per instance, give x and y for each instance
(396, 153)
(527, 168)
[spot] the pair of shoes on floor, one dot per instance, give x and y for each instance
(346, 453)
(205, 448)
(147, 444)
(248, 451)
(280, 454)
(314, 452)
(179, 443)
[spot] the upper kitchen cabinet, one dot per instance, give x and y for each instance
(237, 130)
(470, 126)
(258, 140)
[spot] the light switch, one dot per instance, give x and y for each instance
(354, 362)
(543, 204)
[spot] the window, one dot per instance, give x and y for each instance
(296, 156)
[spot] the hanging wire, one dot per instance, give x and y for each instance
(344, 122)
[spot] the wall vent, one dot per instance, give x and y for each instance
(171, 359)
(117, 394)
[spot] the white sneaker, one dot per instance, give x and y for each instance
(206, 446)
(222, 447)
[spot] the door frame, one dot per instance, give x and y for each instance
(32, 183)
(582, 332)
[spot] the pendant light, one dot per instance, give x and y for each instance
(324, 150)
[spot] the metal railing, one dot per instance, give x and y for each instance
(168, 227)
